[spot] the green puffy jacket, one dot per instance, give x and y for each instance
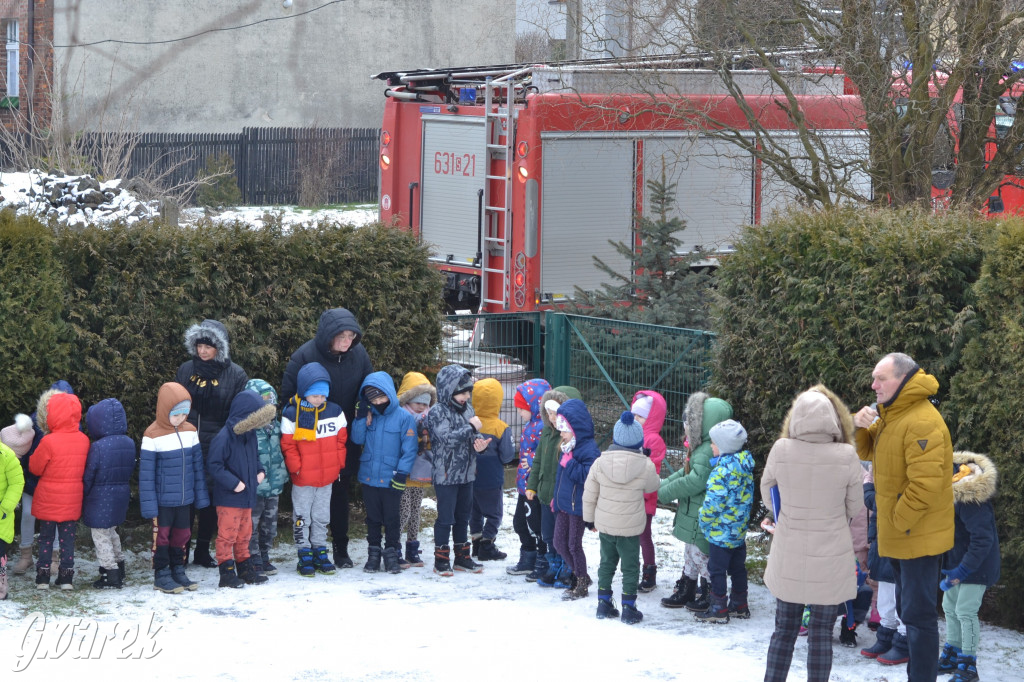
(688, 486)
(269, 440)
(545, 459)
(12, 482)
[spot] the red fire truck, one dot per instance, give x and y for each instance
(518, 175)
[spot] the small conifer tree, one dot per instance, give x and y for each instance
(217, 184)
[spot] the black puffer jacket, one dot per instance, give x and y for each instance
(212, 385)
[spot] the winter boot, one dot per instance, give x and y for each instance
(630, 613)
(738, 606)
(717, 612)
(268, 568)
(555, 562)
(565, 579)
(412, 553)
(684, 593)
(178, 570)
(580, 590)
(228, 576)
(490, 552)
(25, 561)
(341, 557)
(701, 601)
(463, 562)
(305, 566)
(883, 642)
(403, 563)
(847, 633)
(202, 555)
(42, 577)
(966, 669)
(476, 545)
(391, 557)
(109, 579)
(606, 605)
(163, 581)
(322, 562)
(442, 561)
(649, 580)
(247, 573)
(64, 578)
(120, 568)
(948, 658)
(372, 560)
(527, 562)
(898, 653)
(540, 568)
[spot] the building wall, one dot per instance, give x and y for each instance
(35, 62)
(285, 69)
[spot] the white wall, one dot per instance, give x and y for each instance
(300, 70)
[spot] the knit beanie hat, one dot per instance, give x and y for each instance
(18, 436)
(729, 436)
(642, 406)
(552, 405)
(181, 408)
(520, 402)
(424, 398)
(371, 392)
(627, 432)
(318, 388)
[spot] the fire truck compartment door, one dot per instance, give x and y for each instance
(453, 173)
(714, 183)
(587, 199)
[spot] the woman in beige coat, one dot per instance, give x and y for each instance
(815, 466)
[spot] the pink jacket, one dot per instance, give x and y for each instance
(653, 440)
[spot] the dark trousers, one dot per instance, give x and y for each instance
(917, 583)
(454, 504)
(340, 493)
(382, 509)
(819, 641)
(527, 524)
(485, 518)
(65, 532)
(731, 560)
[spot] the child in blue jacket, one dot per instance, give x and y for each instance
(723, 520)
(388, 434)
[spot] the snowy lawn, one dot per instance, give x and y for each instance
(412, 626)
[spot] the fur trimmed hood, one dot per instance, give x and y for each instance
(210, 330)
(980, 484)
(249, 412)
(693, 417)
(810, 418)
(415, 384)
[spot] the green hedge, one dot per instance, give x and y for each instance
(122, 297)
(821, 297)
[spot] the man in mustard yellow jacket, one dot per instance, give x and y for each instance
(905, 438)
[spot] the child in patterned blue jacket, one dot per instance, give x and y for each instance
(723, 520)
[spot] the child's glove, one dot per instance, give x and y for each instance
(398, 481)
(953, 577)
(565, 459)
(589, 525)
(362, 409)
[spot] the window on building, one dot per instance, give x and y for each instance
(12, 58)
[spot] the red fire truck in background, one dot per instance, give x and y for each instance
(516, 176)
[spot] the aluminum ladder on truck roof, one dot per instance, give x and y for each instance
(497, 203)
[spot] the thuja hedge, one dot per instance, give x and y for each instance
(106, 307)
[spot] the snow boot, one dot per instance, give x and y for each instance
(630, 613)
(322, 562)
(64, 578)
(25, 561)
(883, 642)
(565, 579)
(649, 580)
(341, 557)
(717, 611)
(579, 590)
(898, 653)
(248, 573)
(948, 658)
(476, 545)
(391, 557)
(412, 553)
(372, 564)
(163, 582)
(489, 551)
(527, 562)
(966, 669)
(463, 562)
(540, 568)
(555, 562)
(178, 570)
(228, 578)
(702, 601)
(605, 605)
(442, 561)
(202, 557)
(305, 566)
(847, 633)
(268, 568)
(684, 593)
(110, 579)
(42, 577)
(738, 606)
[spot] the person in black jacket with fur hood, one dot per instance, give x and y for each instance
(212, 380)
(338, 347)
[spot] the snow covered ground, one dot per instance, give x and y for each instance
(412, 626)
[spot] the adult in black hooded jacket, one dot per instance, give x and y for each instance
(337, 346)
(212, 381)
